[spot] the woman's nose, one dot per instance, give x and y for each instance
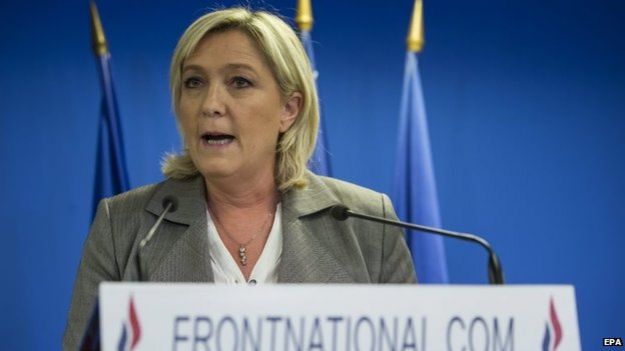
(213, 104)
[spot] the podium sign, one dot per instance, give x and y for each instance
(149, 316)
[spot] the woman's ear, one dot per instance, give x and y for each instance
(290, 112)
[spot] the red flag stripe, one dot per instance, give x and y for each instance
(134, 324)
(557, 328)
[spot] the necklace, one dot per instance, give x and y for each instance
(242, 246)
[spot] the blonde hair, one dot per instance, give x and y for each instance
(291, 68)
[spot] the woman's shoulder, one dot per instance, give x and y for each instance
(142, 197)
(133, 199)
(355, 197)
(345, 188)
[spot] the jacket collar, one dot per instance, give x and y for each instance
(191, 196)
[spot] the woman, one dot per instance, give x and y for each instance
(247, 208)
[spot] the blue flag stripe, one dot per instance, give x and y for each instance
(111, 115)
(414, 192)
(111, 173)
(320, 160)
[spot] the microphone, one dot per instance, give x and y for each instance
(91, 338)
(495, 272)
(170, 205)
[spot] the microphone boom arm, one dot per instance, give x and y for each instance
(495, 273)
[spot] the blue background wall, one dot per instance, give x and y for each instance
(526, 102)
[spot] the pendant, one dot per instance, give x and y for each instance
(243, 255)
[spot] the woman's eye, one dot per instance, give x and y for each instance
(192, 83)
(240, 82)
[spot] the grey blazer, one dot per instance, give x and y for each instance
(316, 247)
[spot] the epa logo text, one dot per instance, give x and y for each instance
(612, 342)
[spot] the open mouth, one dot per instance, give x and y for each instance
(217, 139)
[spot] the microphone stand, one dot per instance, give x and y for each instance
(170, 205)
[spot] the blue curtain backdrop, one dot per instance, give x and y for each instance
(526, 110)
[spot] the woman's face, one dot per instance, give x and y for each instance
(231, 110)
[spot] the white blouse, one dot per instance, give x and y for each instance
(226, 270)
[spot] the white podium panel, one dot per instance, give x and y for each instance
(147, 316)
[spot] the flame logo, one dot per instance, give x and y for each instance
(124, 343)
(554, 323)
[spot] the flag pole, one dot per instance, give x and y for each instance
(98, 40)
(415, 41)
(415, 196)
(111, 176)
(304, 17)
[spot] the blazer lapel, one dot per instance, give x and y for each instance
(179, 251)
(306, 257)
